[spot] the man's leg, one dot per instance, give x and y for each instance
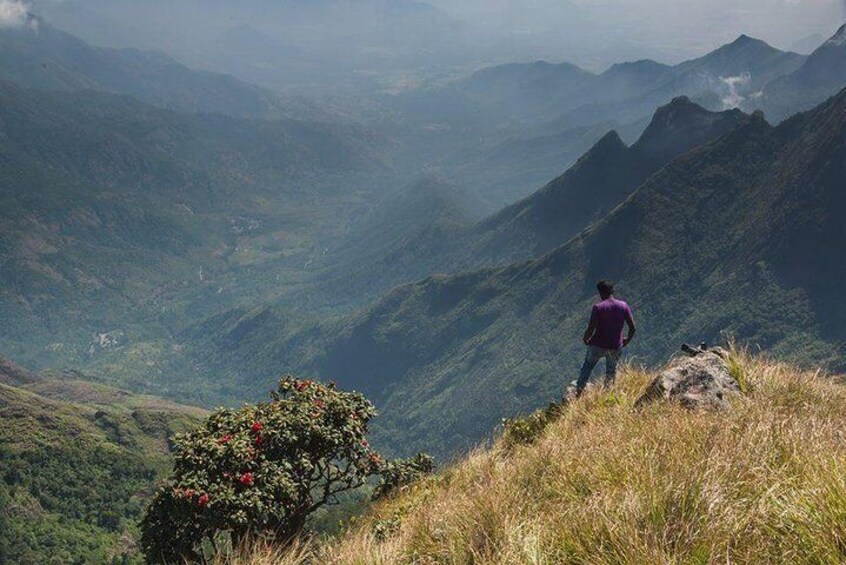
(591, 359)
(612, 357)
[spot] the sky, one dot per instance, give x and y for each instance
(671, 30)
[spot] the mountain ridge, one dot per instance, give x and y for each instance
(497, 341)
(47, 58)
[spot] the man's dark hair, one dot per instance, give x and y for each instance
(605, 288)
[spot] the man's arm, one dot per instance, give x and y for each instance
(591, 329)
(632, 329)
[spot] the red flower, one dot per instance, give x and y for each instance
(374, 458)
(318, 402)
(246, 479)
(258, 441)
(225, 439)
(301, 386)
(188, 493)
(257, 427)
(365, 443)
(203, 500)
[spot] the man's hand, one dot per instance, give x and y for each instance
(586, 340)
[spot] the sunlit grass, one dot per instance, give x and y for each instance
(764, 482)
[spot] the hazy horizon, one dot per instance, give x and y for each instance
(366, 44)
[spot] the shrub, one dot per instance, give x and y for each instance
(526, 430)
(261, 470)
(402, 472)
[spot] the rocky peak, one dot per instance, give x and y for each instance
(682, 125)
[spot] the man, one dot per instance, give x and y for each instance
(604, 335)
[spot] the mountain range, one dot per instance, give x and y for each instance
(431, 230)
(556, 111)
(734, 237)
(43, 57)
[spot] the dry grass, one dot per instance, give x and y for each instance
(764, 482)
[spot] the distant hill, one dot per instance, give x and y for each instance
(823, 73)
(542, 91)
(724, 78)
(49, 59)
(77, 461)
(523, 118)
(736, 236)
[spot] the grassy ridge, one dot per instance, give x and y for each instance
(608, 483)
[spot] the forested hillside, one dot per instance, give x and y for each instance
(113, 210)
(77, 464)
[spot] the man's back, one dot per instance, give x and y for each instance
(609, 317)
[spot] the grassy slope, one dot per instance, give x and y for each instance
(76, 463)
(608, 483)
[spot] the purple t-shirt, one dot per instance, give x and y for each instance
(609, 316)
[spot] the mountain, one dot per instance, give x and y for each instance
(434, 227)
(599, 181)
(632, 76)
(821, 75)
(360, 44)
(115, 213)
(544, 91)
(523, 91)
(13, 374)
(49, 59)
(77, 462)
(519, 164)
(735, 236)
(496, 130)
(745, 55)
(406, 234)
(724, 78)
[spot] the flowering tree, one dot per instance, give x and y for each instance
(261, 469)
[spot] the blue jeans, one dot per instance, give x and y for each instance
(594, 354)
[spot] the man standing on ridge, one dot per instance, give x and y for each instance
(604, 335)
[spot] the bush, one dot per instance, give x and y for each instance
(261, 470)
(402, 472)
(527, 429)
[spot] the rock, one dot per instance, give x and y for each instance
(699, 381)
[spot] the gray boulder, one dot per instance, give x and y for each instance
(701, 380)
